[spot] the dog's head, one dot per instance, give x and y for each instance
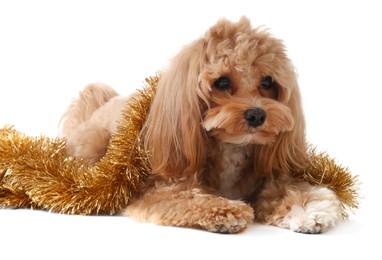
(235, 85)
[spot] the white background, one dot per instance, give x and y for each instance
(49, 50)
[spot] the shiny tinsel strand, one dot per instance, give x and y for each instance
(36, 172)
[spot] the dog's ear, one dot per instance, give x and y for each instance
(288, 153)
(174, 137)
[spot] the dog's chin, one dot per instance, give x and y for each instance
(260, 137)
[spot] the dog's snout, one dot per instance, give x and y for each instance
(255, 117)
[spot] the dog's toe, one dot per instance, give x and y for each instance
(228, 219)
(311, 219)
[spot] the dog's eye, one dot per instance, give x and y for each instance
(267, 82)
(222, 83)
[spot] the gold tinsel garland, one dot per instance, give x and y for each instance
(37, 173)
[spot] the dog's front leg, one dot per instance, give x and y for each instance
(297, 205)
(175, 206)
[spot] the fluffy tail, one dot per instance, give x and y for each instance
(80, 110)
(83, 125)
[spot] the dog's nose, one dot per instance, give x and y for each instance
(255, 116)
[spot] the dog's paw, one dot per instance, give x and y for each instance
(232, 217)
(314, 217)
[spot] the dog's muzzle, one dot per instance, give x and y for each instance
(255, 116)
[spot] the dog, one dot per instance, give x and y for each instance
(225, 134)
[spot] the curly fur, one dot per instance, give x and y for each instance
(213, 166)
